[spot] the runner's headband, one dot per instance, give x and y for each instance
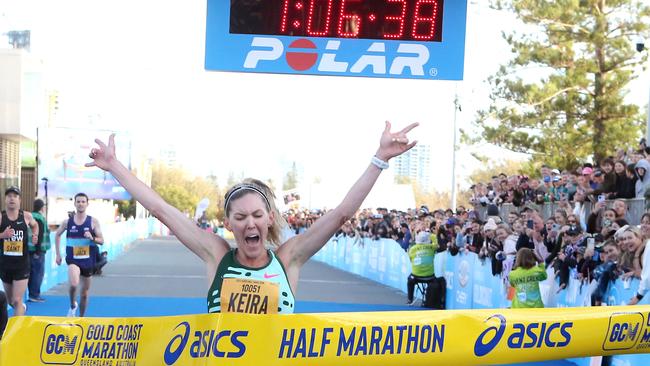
(247, 187)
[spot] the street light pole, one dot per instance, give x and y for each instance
(640, 47)
(454, 192)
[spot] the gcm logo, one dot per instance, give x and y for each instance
(624, 331)
(61, 344)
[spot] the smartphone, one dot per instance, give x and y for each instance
(529, 224)
(601, 198)
(556, 227)
(591, 244)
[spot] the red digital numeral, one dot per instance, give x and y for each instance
(417, 19)
(285, 15)
(349, 24)
(399, 19)
(310, 19)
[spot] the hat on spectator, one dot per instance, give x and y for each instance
(452, 221)
(587, 170)
(574, 230)
(557, 178)
(547, 179)
(555, 171)
(377, 216)
(423, 237)
(598, 172)
(490, 225)
(12, 189)
(620, 231)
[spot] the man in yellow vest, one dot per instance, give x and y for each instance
(421, 255)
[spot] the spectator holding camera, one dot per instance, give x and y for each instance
(605, 272)
(567, 258)
(532, 235)
(405, 240)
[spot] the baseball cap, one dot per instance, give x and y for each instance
(587, 170)
(452, 221)
(555, 171)
(490, 225)
(598, 172)
(574, 230)
(556, 178)
(423, 237)
(12, 189)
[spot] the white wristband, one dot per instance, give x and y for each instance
(379, 163)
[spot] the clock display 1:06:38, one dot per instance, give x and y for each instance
(408, 20)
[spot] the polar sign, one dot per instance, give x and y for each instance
(413, 39)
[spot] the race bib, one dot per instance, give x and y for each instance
(249, 296)
(521, 296)
(82, 252)
(13, 248)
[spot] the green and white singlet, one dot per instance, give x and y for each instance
(237, 288)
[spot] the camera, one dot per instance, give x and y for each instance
(640, 47)
(500, 256)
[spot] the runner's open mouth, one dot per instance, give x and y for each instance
(252, 239)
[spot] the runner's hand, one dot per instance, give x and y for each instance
(394, 144)
(8, 233)
(104, 155)
(58, 259)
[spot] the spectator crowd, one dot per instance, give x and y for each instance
(589, 233)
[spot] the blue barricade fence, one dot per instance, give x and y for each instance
(470, 283)
(117, 237)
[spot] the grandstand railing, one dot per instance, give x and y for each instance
(635, 209)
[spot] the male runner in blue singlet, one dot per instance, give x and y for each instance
(83, 235)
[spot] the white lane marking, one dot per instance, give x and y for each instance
(152, 276)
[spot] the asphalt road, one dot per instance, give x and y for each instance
(163, 268)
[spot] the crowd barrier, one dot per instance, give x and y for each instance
(470, 283)
(636, 207)
(117, 237)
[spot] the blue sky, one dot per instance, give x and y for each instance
(138, 66)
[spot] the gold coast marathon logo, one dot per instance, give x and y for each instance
(97, 345)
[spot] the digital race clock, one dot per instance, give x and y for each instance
(422, 39)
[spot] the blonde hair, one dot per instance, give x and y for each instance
(249, 185)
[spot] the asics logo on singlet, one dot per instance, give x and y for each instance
(302, 54)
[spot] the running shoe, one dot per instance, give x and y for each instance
(72, 312)
(36, 299)
(411, 302)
